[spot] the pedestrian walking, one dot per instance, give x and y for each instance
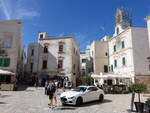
(46, 86)
(36, 82)
(56, 92)
(50, 91)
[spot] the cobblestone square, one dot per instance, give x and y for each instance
(33, 100)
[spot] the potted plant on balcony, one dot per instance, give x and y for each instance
(138, 88)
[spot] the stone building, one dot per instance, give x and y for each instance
(128, 52)
(146, 79)
(11, 50)
(127, 55)
(99, 54)
(54, 57)
(85, 62)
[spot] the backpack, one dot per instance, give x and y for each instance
(51, 89)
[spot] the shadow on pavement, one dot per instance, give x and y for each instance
(3, 103)
(130, 111)
(67, 107)
(73, 107)
(22, 87)
(95, 103)
(3, 96)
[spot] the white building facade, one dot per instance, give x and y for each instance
(99, 54)
(54, 56)
(128, 52)
(86, 67)
(11, 50)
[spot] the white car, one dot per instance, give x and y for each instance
(82, 94)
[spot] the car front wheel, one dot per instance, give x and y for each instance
(101, 98)
(79, 101)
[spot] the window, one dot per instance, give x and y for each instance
(61, 48)
(45, 49)
(112, 69)
(41, 36)
(44, 66)
(4, 62)
(123, 61)
(74, 50)
(2, 78)
(109, 82)
(32, 52)
(117, 30)
(122, 44)
(83, 60)
(74, 67)
(8, 79)
(92, 89)
(106, 54)
(31, 67)
(109, 68)
(115, 63)
(7, 42)
(60, 64)
(105, 69)
(114, 48)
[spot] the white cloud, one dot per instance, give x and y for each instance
(18, 9)
(102, 28)
(5, 9)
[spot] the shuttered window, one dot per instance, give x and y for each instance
(5, 62)
(123, 45)
(114, 48)
(115, 63)
(123, 61)
(1, 61)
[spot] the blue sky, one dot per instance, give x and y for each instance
(87, 20)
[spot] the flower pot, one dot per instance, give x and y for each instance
(139, 107)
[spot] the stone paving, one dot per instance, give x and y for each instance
(33, 100)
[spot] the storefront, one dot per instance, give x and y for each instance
(7, 80)
(111, 79)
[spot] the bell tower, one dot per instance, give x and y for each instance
(123, 20)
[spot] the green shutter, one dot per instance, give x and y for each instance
(115, 63)
(1, 61)
(7, 62)
(123, 46)
(114, 48)
(123, 61)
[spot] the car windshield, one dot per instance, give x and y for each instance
(79, 89)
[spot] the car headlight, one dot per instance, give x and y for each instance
(71, 97)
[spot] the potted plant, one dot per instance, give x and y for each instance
(138, 88)
(148, 101)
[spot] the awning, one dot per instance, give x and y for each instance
(6, 72)
(110, 76)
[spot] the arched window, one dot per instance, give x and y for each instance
(45, 49)
(117, 30)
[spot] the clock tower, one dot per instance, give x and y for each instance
(123, 20)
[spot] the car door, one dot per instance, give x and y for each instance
(90, 94)
(96, 93)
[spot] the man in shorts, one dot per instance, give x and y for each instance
(50, 91)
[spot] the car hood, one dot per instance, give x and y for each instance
(70, 94)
